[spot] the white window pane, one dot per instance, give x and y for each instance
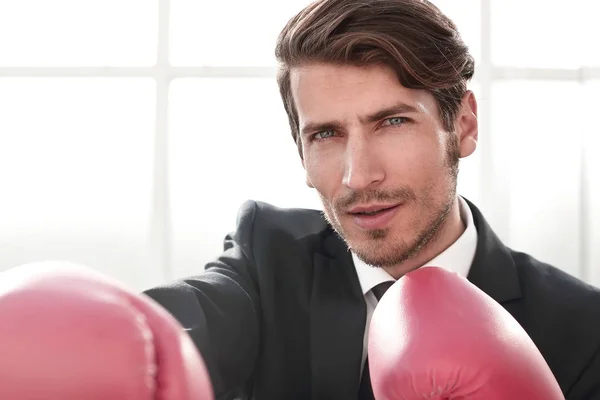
(78, 33)
(466, 14)
(76, 173)
(592, 165)
(229, 142)
(590, 34)
(541, 33)
(537, 127)
(228, 33)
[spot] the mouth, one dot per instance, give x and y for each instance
(371, 210)
(374, 217)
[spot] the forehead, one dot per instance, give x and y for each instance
(326, 91)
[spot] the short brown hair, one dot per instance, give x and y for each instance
(412, 36)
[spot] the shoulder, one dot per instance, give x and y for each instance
(279, 247)
(261, 217)
(561, 313)
(539, 279)
(263, 228)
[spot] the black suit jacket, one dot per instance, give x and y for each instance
(281, 315)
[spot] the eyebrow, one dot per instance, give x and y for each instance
(400, 108)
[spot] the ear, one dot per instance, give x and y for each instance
(467, 128)
(308, 182)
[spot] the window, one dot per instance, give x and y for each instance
(132, 130)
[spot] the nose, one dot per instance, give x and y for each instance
(364, 167)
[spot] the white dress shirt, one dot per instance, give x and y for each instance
(458, 258)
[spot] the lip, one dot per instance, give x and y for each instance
(370, 208)
(378, 221)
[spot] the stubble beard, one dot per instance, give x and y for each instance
(376, 251)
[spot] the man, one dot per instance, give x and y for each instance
(377, 103)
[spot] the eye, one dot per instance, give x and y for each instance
(323, 134)
(395, 121)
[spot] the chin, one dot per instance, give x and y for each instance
(385, 248)
(373, 247)
(379, 257)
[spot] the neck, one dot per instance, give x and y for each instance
(448, 233)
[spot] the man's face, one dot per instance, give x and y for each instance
(379, 157)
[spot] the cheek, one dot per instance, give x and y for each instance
(324, 171)
(411, 159)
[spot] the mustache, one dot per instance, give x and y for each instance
(397, 195)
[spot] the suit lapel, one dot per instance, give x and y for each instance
(338, 315)
(493, 269)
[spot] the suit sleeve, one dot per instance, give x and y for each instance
(587, 386)
(220, 309)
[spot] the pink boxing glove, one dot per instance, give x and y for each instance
(67, 332)
(434, 335)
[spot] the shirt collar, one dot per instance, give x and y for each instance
(457, 258)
